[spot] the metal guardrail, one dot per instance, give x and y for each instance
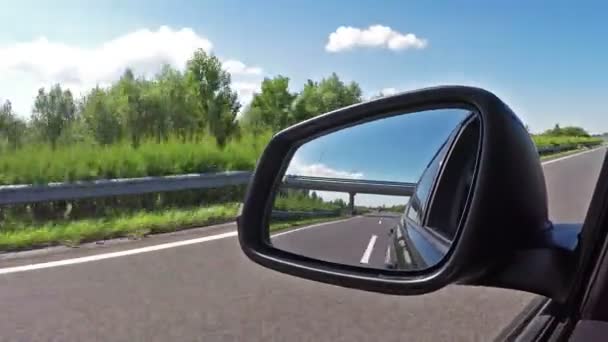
(350, 185)
(19, 194)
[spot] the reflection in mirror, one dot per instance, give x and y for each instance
(363, 195)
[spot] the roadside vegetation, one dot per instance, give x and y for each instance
(302, 200)
(19, 235)
(558, 140)
(40, 164)
(177, 122)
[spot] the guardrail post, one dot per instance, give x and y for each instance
(351, 202)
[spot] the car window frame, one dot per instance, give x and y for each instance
(443, 151)
(424, 203)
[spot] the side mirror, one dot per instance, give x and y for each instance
(402, 194)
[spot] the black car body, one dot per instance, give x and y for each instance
(417, 241)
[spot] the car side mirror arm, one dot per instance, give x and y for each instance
(547, 267)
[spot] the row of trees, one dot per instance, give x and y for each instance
(12, 127)
(275, 107)
(568, 131)
(185, 104)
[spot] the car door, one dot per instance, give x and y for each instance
(414, 245)
(420, 238)
(583, 316)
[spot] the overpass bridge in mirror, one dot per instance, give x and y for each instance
(350, 186)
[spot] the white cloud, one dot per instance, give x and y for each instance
(239, 68)
(389, 91)
(43, 62)
(143, 50)
(245, 90)
(319, 170)
(376, 36)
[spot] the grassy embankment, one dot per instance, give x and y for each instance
(564, 145)
(75, 222)
(18, 236)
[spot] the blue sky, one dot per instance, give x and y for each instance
(548, 61)
(397, 149)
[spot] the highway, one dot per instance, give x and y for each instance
(359, 241)
(198, 286)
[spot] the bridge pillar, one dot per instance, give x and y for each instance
(351, 202)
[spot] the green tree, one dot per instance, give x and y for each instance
(100, 117)
(129, 105)
(215, 100)
(179, 103)
(336, 94)
(571, 131)
(12, 128)
(221, 116)
(271, 107)
(155, 112)
(53, 113)
(327, 95)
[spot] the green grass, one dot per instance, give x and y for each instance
(17, 236)
(542, 140)
(71, 233)
(41, 164)
(282, 225)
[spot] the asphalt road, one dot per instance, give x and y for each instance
(174, 288)
(359, 241)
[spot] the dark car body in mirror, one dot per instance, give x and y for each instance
(503, 220)
(434, 213)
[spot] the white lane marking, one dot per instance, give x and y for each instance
(570, 156)
(387, 256)
(311, 226)
(406, 256)
(97, 257)
(368, 251)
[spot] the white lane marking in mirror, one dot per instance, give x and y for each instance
(368, 251)
(98, 257)
(406, 256)
(312, 226)
(387, 257)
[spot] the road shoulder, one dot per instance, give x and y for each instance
(50, 254)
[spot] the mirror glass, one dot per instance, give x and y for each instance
(366, 195)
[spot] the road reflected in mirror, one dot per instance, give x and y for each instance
(362, 195)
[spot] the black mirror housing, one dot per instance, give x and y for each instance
(507, 211)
